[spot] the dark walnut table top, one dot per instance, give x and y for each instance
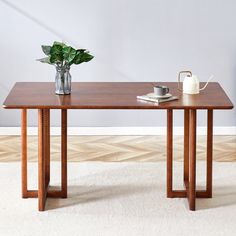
(110, 95)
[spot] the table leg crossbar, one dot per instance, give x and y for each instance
(190, 191)
(44, 158)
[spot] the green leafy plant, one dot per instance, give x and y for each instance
(60, 54)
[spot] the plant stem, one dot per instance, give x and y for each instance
(63, 81)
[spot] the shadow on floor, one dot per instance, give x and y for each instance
(85, 194)
(222, 196)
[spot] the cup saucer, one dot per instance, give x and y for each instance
(153, 95)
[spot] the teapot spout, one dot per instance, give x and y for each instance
(211, 77)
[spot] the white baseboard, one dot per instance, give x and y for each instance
(229, 130)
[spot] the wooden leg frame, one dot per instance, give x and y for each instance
(190, 124)
(44, 158)
(190, 191)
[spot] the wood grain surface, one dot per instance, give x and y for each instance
(114, 95)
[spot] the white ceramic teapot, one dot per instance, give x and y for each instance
(191, 84)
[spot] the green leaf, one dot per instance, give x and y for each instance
(46, 49)
(56, 58)
(45, 60)
(69, 54)
(56, 49)
(82, 56)
(86, 57)
(77, 59)
(81, 50)
(59, 43)
(56, 53)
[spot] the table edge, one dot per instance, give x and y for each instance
(122, 107)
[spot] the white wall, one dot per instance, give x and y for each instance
(132, 40)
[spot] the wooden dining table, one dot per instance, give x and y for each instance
(115, 95)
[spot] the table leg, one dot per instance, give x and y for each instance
(186, 148)
(44, 158)
(209, 152)
(47, 147)
(24, 153)
(192, 160)
(169, 152)
(64, 152)
(42, 149)
(190, 126)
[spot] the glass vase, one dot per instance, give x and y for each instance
(63, 80)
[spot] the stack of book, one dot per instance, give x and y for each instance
(152, 97)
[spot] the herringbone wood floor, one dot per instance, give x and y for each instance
(117, 148)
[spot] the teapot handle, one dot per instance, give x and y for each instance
(211, 77)
(183, 72)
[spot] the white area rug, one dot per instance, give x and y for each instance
(118, 199)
